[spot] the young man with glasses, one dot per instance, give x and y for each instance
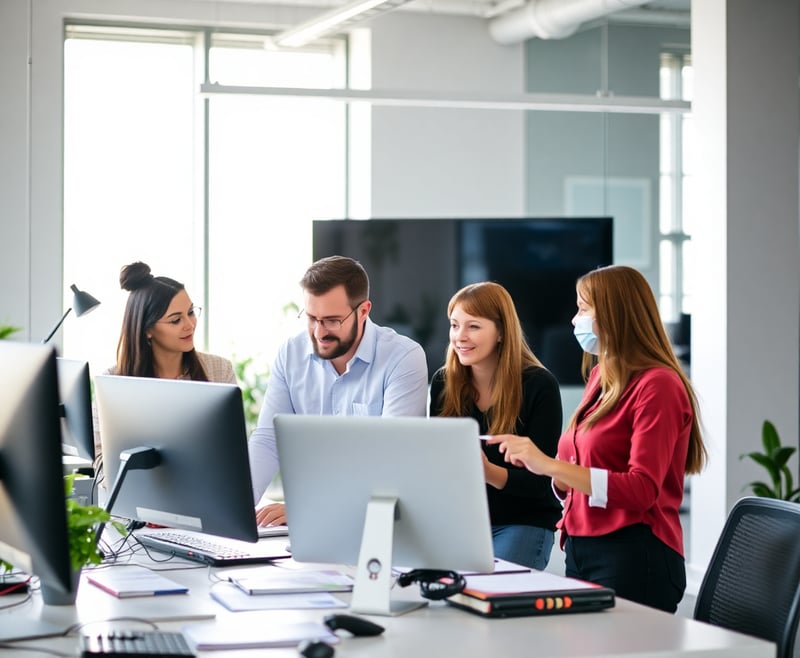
(341, 363)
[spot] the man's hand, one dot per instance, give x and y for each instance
(272, 514)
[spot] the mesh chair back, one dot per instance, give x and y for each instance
(753, 582)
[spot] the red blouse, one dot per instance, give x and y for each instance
(642, 443)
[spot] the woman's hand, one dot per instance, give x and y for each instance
(521, 451)
(496, 476)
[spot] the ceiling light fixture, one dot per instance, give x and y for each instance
(333, 21)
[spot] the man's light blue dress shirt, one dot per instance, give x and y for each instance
(387, 376)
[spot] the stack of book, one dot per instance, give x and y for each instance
(530, 593)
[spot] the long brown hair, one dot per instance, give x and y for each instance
(492, 301)
(150, 297)
(632, 338)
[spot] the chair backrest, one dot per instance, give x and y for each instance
(753, 582)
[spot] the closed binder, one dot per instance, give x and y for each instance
(530, 594)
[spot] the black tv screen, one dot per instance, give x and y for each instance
(415, 266)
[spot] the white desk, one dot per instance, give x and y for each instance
(629, 629)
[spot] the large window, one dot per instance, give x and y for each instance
(675, 259)
(216, 192)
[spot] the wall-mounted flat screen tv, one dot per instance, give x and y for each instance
(415, 266)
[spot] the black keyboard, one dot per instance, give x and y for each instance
(145, 644)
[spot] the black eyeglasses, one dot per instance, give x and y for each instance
(329, 324)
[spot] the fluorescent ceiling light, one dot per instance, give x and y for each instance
(333, 21)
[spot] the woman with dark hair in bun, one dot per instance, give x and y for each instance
(157, 335)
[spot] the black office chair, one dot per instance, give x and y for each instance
(753, 582)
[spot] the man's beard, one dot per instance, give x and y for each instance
(341, 349)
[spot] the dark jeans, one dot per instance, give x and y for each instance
(633, 562)
(527, 545)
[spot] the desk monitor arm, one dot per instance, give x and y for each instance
(142, 459)
(373, 585)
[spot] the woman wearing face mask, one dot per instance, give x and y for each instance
(491, 375)
(622, 459)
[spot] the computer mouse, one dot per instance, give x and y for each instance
(352, 624)
(315, 649)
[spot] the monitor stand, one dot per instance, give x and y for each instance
(373, 583)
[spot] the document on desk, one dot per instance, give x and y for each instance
(499, 567)
(236, 600)
(274, 580)
(129, 581)
(246, 632)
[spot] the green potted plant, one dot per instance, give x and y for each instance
(82, 522)
(774, 459)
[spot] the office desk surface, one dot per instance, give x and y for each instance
(628, 629)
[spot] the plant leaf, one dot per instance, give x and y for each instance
(769, 437)
(761, 489)
(781, 455)
(767, 463)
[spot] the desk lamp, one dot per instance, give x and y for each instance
(82, 302)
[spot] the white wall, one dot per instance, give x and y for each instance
(14, 224)
(745, 332)
(444, 162)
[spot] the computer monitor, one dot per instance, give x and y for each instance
(378, 492)
(75, 390)
(33, 518)
(198, 477)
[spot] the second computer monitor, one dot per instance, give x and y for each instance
(75, 391)
(202, 481)
(382, 492)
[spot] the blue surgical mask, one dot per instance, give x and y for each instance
(586, 337)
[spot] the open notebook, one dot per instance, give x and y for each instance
(210, 549)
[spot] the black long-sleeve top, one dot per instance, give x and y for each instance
(527, 499)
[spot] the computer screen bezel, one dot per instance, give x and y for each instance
(33, 517)
(334, 467)
(202, 482)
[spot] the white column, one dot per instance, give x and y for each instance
(745, 334)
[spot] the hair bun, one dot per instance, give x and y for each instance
(135, 276)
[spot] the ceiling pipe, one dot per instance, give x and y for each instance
(552, 19)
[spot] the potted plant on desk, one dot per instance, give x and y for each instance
(82, 522)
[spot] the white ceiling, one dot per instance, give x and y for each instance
(467, 7)
(511, 21)
(491, 8)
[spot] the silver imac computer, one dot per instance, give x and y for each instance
(378, 492)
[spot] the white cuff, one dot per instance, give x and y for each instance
(561, 495)
(599, 479)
